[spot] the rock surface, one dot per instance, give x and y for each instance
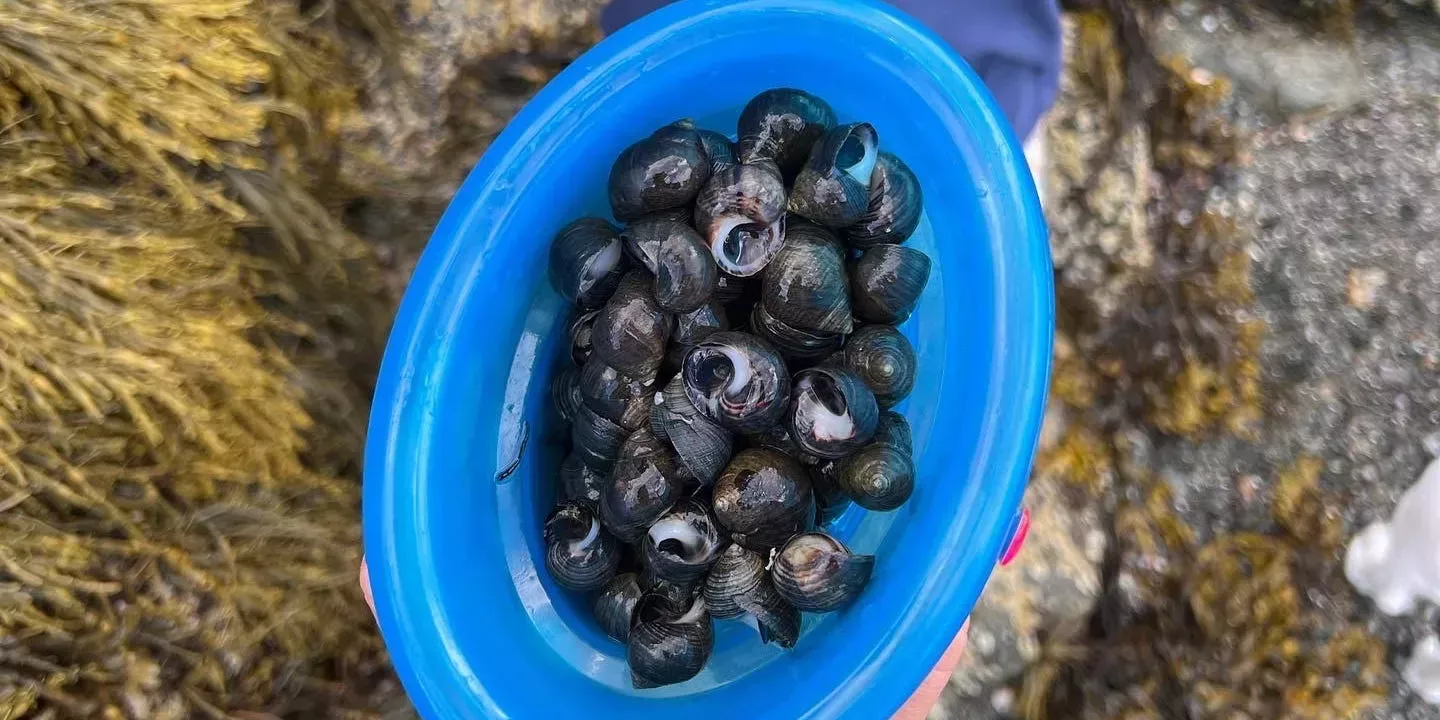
(1053, 583)
(1338, 197)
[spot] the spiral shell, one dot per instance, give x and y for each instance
(662, 171)
(894, 208)
(884, 359)
(833, 189)
(886, 283)
(579, 554)
(737, 380)
(817, 573)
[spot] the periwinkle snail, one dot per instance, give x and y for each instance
(733, 365)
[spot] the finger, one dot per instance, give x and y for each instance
(365, 585)
(929, 691)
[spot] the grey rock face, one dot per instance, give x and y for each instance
(1053, 583)
(1275, 65)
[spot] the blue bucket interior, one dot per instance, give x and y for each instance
(464, 443)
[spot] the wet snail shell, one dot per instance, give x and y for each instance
(596, 440)
(830, 500)
(678, 594)
(729, 289)
(615, 605)
(661, 172)
(565, 392)
(736, 572)
(782, 125)
(805, 286)
(894, 208)
(632, 330)
(579, 554)
(581, 484)
(882, 357)
(737, 380)
(682, 545)
(702, 445)
(833, 189)
(738, 584)
(793, 343)
(613, 396)
(644, 486)
(833, 413)
(763, 498)
(817, 573)
(880, 477)
(886, 283)
(718, 149)
(581, 343)
(700, 323)
(668, 644)
(685, 274)
(740, 214)
(586, 261)
(894, 430)
(691, 328)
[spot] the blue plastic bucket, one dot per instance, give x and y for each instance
(463, 444)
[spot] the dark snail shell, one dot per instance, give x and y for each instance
(579, 553)
(685, 274)
(740, 214)
(691, 328)
(678, 594)
(894, 430)
(700, 323)
(833, 413)
(833, 189)
(702, 445)
(668, 644)
(596, 440)
(565, 392)
(880, 477)
(718, 149)
(763, 498)
(682, 545)
(805, 286)
(645, 484)
(737, 380)
(793, 343)
(886, 282)
(884, 359)
(632, 330)
(736, 572)
(581, 484)
(729, 288)
(613, 396)
(830, 500)
(683, 215)
(582, 345)
(778, 438)
(615, 605)
(783, 125)
(586, 261)
(817, 573)
(738, 584)
(662, 171)
(893, 212)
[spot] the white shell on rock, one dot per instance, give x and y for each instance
(1422, 673)
(1397, 563)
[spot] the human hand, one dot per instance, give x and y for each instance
(916, 708)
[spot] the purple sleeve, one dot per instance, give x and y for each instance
(1014, 45)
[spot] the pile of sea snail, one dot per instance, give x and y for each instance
(735, 362)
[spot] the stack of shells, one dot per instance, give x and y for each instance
(723, 399)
